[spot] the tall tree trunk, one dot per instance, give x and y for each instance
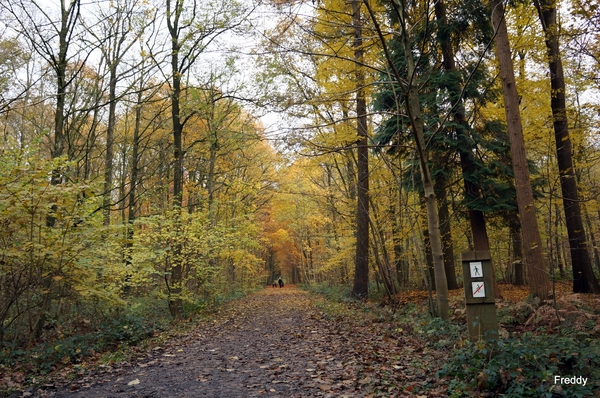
(472, 190)
(60, 62)
(561, 257)
(413, 109)
(210, 180)
(175, 302)
(584, 279)
(361, 269)
(539, 285)
(60, 69)
(110, 133)
(116, 28)
(132, 196)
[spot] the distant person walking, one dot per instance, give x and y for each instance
(280, 281)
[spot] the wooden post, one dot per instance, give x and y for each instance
(479, 295)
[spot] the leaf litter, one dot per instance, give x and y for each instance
(276, 342)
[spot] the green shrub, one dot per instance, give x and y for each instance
(331, 292)
(525, 367)
(125, 330)
(415, 320)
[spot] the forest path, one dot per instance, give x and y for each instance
(275, 342)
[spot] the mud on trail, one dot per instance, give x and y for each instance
(273, 343)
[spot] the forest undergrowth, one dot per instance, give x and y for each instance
(70, 350)
(538, 340)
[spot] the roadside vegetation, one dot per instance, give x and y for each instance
(524, 362)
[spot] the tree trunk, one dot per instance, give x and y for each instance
(593, 239)
(110, 133)
(472, 190)
(413, 108)
(539, 285)
(414, 111)
(60, 140)
(382, 258)
(210, 180)
(518, 278)
(361, 269)
(561, 255)
(446, 231)
(175, 301)
(400, 261)
(430, 270)
(584, 279)
(132, 198)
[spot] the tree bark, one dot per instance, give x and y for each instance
(428, 255)
(518, 277)
(132, 196)
(173, 15)
(539, 285)
(584, 279)
(361, 269)
(110, 134)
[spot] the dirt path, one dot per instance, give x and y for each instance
(272, 343)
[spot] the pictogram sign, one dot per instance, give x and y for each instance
(476, 269)
(478, 289)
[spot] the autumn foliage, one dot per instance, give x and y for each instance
(159, 159)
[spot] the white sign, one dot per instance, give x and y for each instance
(478, 289)
(476, 270)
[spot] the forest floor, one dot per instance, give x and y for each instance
(290, 342)
(276, 342)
